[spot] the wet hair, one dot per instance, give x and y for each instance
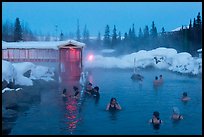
(156, 78)
(75, 88)
(64, 91)
(90, 84)
(156, 114)
(96, 88)
(185, 94)
(113, 99)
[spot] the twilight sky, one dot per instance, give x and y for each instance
(43, 16)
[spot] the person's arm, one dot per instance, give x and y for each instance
(118, 106)
(181, 117)
(107, 107)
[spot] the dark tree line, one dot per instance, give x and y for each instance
(16, 32)
(187, 39)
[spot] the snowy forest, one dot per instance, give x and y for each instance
(186, 39)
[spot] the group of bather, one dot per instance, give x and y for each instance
(156, 121)
(114, 105)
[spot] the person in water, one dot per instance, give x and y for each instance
(76, 94)
(156, 81)
(156, 121)
(185, 97)
(161, 81)
(176, 114)
(113, 105)
(64, 93)
(96, 92)
(89, 89)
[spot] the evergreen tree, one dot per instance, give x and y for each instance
(190, 25)
(61, 36)
(119, 37)
(78, 32)
(198, 20)
(5, 31)
(146, 32)
(125, 36)
(194, 23)
(153, 30)
(140, 35)
(133, 32)
(130, 34)
(146, 37)
(84, 33)
(99, 39)
(163, 30)
(114, 37)
(17, 31)
(106, 39)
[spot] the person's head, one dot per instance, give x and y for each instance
(96, 88)
(156, 114)
(185, 94)
(113, 101)
(75, 88)
(160, 76)
(176, 111)
(64, 91)
(156, 78)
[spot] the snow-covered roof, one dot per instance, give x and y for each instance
(41, 44)
(199, 50)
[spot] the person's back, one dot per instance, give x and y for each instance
(161, 81)
(64, 93)
(96, 92)
(156, 81)
(156, 121)
(185, 97)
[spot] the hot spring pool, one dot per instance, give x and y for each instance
(53, 115)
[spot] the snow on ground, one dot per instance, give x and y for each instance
(15, 72)
(8, 71)
(161, 58)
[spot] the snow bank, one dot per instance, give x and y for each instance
(161, 58)
(15, 72)
(8, 71)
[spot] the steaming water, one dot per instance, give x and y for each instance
(53, 115)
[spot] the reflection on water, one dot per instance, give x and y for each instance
(72, 114)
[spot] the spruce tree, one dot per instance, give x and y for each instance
(78, 32)
(106, 39)
(99, 39)
(61, 36)
(114, 37)
(17, 31)
(140, 35)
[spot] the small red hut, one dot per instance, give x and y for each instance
(70, 61)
